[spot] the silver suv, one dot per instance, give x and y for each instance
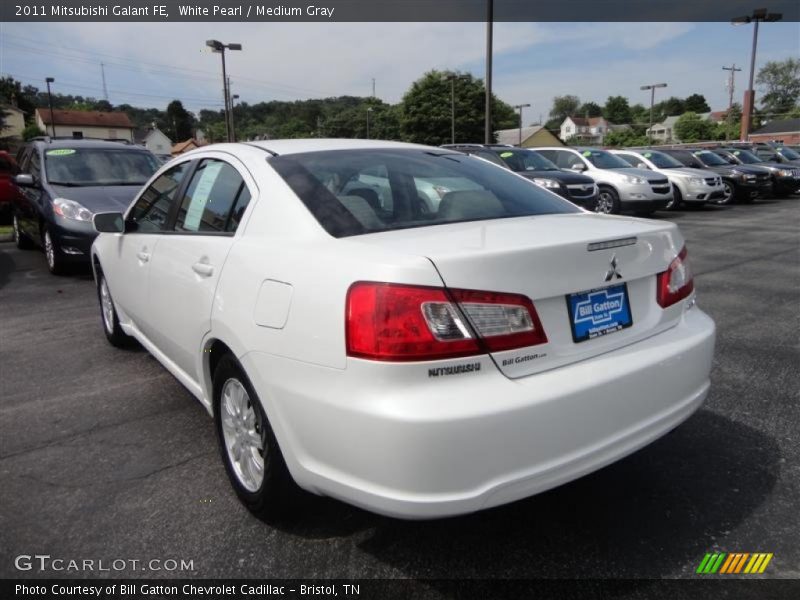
(621, 187)
(692, 186)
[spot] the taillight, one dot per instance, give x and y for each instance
(676, 283)
(394, 322)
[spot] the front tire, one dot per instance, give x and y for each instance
(20, 239)
(253, 461)
(52, 252)
(108, 315)
(677, 198)
(607, 201)
(728, 194)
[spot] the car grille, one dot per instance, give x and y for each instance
(660, 189)
(581, 190)
(713, 181)
(655, 182)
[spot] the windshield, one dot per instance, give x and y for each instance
(353, 192)
(98, 166)
(788, 153)
(604, 160)
(661, 160)
(710, 159)
(526, 160)
(746, 157)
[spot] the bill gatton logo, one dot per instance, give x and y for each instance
(600, 307)
(733, 563)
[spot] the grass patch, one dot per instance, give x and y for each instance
(5, 229)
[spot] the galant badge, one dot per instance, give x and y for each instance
(613, 272)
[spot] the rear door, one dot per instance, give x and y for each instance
(187, 264)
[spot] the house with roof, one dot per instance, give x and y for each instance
(13, 121)
(92, 124)
(785, 131)
(532, 136)
(591, 131)
(154, 140)
(185, 146)
(665, 130)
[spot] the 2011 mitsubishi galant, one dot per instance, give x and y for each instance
(351, 340)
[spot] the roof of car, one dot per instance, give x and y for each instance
(85, 143)
(297, 146)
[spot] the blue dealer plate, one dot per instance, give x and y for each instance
(599, 312)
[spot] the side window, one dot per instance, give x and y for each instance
(215, 199)
(35, 164)
(152, 208)
(565, 160)
(491, 157)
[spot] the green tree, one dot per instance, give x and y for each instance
(31, 131)
(589, 109)
(180, 122)
(563, 107)
(696, 103)
(12, 91)
(617, 110)
(781, 82)
(690, 127)
(625, 137)
(426, 115)
(670, 107)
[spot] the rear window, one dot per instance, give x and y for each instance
(353, 192)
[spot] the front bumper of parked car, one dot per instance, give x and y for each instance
(394, 440)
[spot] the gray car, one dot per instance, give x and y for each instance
(621, 187)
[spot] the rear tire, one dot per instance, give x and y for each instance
(108, 315)
(607, 201)
(20, 239)
(253, 461)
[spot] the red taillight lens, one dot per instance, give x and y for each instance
(676, 283)
(396, 322)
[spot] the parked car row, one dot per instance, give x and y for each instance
(644, 180)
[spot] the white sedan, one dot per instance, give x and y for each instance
(352, 340)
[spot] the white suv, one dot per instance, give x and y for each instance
(354, 340)
(621, 187)
(692, 186)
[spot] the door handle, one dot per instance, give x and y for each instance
(203, 269)
(143, 256)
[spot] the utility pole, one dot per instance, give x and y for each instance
(488, 133)
(48, 81)
(731, 86)
(103, 74)
(373, 87)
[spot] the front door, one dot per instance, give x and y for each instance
(186, 266)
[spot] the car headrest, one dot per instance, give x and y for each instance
(470, 204)
(362, 211)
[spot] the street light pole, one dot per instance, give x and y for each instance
(50, 80)
(758, 16)
(520, 107)
(369, 110)
(452, 109)
(217, 46)
(488, 133)
(652, 88)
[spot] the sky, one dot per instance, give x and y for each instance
(149, 64)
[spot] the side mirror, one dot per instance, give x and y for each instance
(110, 222)
(642, 166)
(578, 167)
(24, 180)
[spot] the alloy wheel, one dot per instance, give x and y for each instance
(107, 306)
(604, 204)
(243, 434)
(49, 250)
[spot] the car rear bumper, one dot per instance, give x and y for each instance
(396, 441)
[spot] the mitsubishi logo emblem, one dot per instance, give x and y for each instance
(612, 272)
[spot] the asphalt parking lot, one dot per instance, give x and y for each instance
(105, 455)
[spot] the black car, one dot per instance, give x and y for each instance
(63, 183)
(741, 182)
(785, 177)
(778, 153)
(578, 189)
